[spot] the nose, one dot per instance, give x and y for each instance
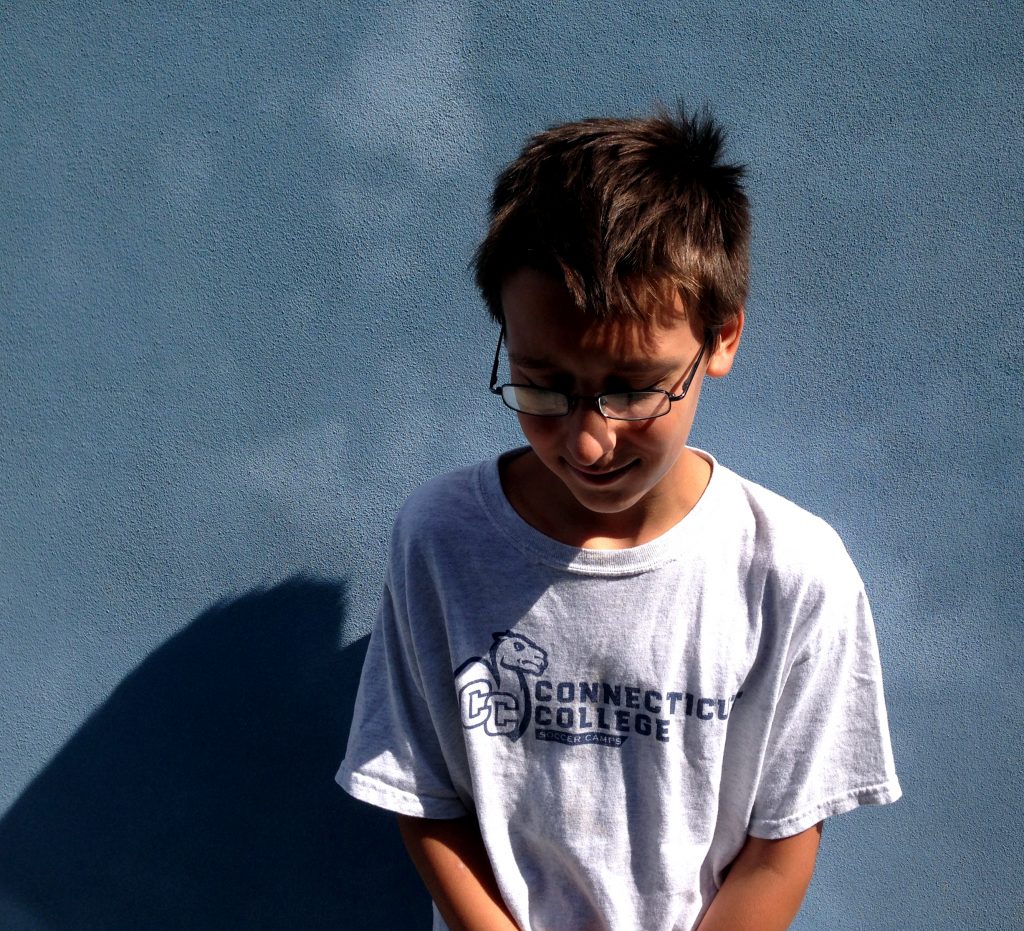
(591, 438)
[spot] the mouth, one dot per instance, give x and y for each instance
(599, 478)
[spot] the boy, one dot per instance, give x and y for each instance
(613, 685)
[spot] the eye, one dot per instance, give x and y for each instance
(519, 647)
(636, 405)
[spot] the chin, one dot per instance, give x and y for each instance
(615, 506)
(605, 501)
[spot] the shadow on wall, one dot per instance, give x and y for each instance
(202, 795)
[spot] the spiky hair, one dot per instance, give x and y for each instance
(624, 211)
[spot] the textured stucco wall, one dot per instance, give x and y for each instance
(235, 319)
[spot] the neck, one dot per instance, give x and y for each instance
(541, 499)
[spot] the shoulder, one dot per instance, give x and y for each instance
(788, 541)
(446, 508)
(450, 489)
(799, 572)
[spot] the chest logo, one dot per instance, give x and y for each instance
(504, 692)
(493, 690)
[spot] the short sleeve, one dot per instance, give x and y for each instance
(395, 759)
(828, 748)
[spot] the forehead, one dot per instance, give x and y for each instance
(545, 328)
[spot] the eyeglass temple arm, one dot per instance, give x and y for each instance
(709, 340)
(497, 357)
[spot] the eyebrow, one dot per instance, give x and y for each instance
(635, 367)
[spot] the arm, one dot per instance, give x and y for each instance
(453, 864)
(765, 884)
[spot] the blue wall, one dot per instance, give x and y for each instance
(236, 317)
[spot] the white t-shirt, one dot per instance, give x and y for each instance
(619, 721)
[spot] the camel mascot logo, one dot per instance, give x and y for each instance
(493, 691)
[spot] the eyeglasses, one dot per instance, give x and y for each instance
(614, 405)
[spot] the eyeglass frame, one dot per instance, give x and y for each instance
(573, 399)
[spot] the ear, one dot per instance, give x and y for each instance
(720, 360)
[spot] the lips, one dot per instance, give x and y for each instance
(600, 478)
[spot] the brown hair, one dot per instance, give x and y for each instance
(624, 211)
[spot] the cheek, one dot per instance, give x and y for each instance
(664, 436)
(656, 432)
(540, 431)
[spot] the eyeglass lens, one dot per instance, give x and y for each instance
(629, 405)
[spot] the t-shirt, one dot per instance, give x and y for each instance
(618, 721)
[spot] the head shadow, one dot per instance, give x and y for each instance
(201, 794)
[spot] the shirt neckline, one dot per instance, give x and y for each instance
(668, 547)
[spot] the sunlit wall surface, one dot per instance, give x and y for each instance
(238, 328)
